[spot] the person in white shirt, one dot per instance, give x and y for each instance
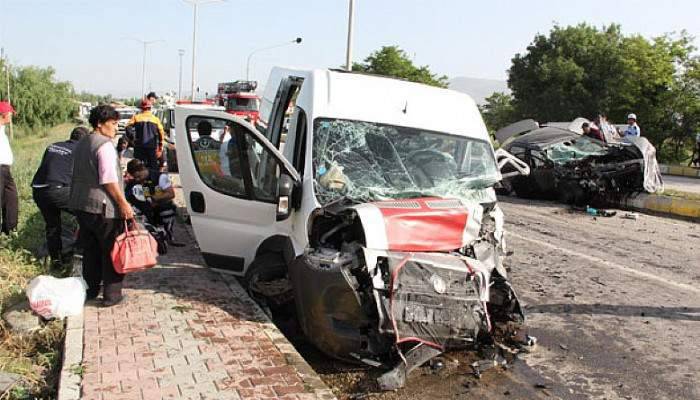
(8, 190)
(632, 127)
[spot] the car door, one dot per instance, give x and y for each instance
(229, 173)
(277, 122)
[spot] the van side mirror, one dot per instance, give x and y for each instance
(504, 158)
(288, 197)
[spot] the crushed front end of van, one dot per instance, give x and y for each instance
(404, 260)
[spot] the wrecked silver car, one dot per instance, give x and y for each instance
(576, 169)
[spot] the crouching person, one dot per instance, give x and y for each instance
(51, 189)
(97, 196)
(152, 193)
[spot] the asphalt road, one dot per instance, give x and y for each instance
(614, 303)
(682, 183)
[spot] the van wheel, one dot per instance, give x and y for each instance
(267, 281)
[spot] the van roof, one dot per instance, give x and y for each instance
(355, 96)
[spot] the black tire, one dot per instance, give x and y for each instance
(266, 267)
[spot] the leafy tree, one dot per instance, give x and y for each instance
(498, 111)
(40, 100)
(392, 61)
(95, 99)
(581, 70)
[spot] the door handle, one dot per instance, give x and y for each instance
(197, 202)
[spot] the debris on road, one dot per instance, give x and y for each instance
(630, 215)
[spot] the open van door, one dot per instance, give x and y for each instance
(236, 185)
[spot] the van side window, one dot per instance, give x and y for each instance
(230, 160)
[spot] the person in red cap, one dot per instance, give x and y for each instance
(147, 136)
(8, 190)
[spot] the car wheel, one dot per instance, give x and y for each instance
(267, 281)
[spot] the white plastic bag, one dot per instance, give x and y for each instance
(56, 297)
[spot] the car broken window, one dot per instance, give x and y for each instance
(369, 161)
(577, 148)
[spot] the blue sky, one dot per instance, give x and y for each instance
(83, 39)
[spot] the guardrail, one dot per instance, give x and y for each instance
(680, 170)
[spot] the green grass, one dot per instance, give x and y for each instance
(36, 356)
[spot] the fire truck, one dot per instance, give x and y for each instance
(239, 98)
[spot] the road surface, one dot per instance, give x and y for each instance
(682, 183)
(615, 304)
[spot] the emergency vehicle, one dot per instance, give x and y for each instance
(239, 99)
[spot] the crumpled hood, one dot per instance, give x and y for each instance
(422, 224)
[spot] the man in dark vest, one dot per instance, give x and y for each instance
(97, 196)
(51, 189)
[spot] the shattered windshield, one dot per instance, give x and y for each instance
(366, 161)
(576, 148)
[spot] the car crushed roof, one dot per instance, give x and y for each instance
(542, 137)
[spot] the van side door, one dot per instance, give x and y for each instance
(230, 175)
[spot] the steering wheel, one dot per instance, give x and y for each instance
(424, 162)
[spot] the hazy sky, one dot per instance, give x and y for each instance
(84, 39)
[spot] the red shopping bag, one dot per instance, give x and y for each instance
(134, 250)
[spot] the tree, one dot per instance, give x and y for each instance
(498, 111)
(582, 70)
(95, 99)
(392, 61)
(40, 100)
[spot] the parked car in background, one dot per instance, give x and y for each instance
(125, 114)
(576, 169)
(376, 227)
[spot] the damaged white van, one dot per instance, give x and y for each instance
(376, 218)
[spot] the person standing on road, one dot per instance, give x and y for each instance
(8, 190)
(151, 98)
(97, 196)
(632, 127)
(148, 136)
(588, 130)
(51, 189)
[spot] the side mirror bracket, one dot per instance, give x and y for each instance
(505, 158)
(288, 197)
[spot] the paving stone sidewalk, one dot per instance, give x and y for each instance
(187, 332)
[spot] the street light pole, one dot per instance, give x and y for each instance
(145, 44)
(195, 5)
(180, 52)
(348, 50)
(247, 68)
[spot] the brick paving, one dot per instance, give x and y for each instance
(187, 332)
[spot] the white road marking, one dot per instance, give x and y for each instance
(598, 260)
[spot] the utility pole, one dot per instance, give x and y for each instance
(247, 68)
(145, 44)
(4, 56)
(348, 51)
(180, 52)
(195, 5)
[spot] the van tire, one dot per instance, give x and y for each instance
(265, 267)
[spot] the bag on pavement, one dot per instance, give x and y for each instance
(53, 297)
(134, 250)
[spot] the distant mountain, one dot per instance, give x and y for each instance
(478, 89)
